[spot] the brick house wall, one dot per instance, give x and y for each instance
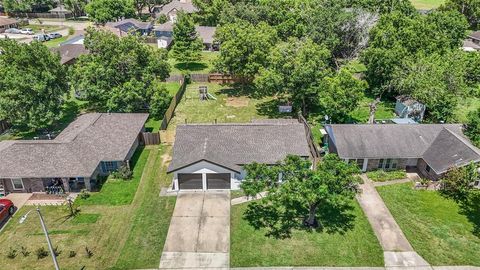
(29, 185)
(422, 167)
(372, 164)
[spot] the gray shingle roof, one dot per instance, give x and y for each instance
(179, 5)
(233, 145)
(77, 151)
(128, 24)
(439, 144)
(475, 35)
(69, 52)
(206, 33)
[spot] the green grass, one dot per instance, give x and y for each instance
(119, 192)
(121, 236)
(56, 42)
(465, 106)
(356, 247)
(434, 225)
(382, 176)
(153, 125)
(385, 110)
(231, 106)
(427, 4)
(37, 28)
(205, 65)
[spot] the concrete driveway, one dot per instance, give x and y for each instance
(199, 232)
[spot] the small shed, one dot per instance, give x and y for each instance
(407, 107)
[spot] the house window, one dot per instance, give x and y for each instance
(394, 164)
(109, 166)
(360, 163)
(388, 163)
(428, 169)
(17, 184)
(380, 163)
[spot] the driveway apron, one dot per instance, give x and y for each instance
(199, 232)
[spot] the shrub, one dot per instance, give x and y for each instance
(71, 31)
(123, 173)
(24, 251)
(72, 254)
(57, 251)
(84, 194)
(382, 176)
(41, 253)
(12, 253)
(162, 19)
(88, 252)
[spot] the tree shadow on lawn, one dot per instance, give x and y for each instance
(194, 66)
(238, 90)
(270, 109)
(470, 207)
(331, 219)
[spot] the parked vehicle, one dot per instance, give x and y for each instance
(54, 35)
(41, 38)
(6, 209)
(27, 31)
(13, 31)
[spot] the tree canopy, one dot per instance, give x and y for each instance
(103, 11)
(296, 193)
(187, 47)
(469, 8)
(473, 127)
(18, 6)
(32, 85)
(119, 74)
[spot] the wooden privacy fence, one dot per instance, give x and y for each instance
(311, 144)
(41, 15)
(219, 78)
(150, 138)
(173, 105)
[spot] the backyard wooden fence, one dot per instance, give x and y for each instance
(41, 15)
(311, 143)
(150, 138)
(219, 78)
(173, 105)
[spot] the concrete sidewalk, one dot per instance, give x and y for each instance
(397, 250)
(199, 232)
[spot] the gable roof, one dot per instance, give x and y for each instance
(69, 52)
(206, 33)
(76, 151)
(233, 145)
(179, 5)
(7, 21)
(127, 25)
(440, 145)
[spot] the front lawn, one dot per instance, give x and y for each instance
(117, 191)
(434, 225)
(121, 236)
(231, 106)
(356, 247)
(382, 176)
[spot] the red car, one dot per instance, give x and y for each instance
(6, 209)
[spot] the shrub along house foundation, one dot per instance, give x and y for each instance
(94, 145)
(432, 149)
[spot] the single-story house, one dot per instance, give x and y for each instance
(407, 107)
(432, 149)
(207, 34)
(93, 145)
(207, 156)
(164, 32)
(69, 53)
(126, 26)
(171, 9)
(60, 11)
(7, 23)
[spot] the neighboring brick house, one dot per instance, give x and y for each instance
(432, 149)
(7, 23)
(171, 9)
(94, 145)
(128, 26)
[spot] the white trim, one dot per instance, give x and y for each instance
(365, 164)
(13, 185)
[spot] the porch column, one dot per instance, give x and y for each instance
(88, 186)
(204, 181)
(365, 165)
(66, 185)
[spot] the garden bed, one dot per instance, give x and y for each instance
(382, 176)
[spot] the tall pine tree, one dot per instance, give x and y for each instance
(187, 46)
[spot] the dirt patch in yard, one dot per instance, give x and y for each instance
(237, 102)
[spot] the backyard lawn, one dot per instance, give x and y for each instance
(129, 236)
(427, 4)
(385, 110)
(230, 106)
(153, 125)
(205, 65)
(435, 226)
(356, 247)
